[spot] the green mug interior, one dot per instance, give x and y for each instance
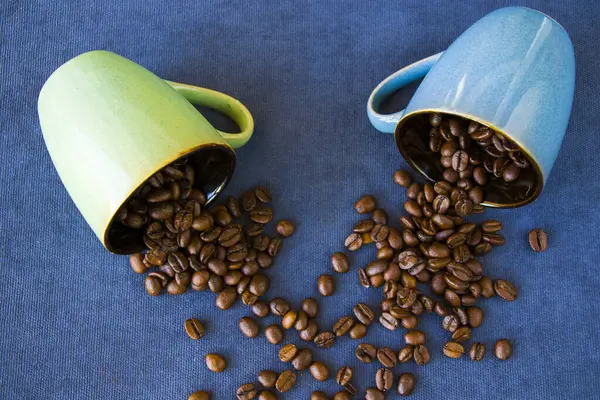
(213, 165)
(412, 139)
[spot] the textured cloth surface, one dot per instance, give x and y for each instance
(76, 322)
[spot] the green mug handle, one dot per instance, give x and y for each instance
(226, 105)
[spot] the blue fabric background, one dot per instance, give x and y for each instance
(75, 322)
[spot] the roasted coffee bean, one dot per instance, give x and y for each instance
(310, 332)
(365, 204)
(249, 327)
(410, 322)
(289, 319)
(358, 331)
(462, 334)
(226, 298)
(538, 240)
(301, 320)
(267, 378)
(267, 395)
(374, 394)
(319, 371)
(261, 215)
(199, 395)
(254, 230)
(246, 392)
(353, 242)
(363, 226)
(376, 267)
(453, 350)
(379, 216)
(406, 297)
(211, 234)
(503, 349)
(388, 322)
(505, 290)
(402, 178)
(475, 316)
(200, 280)
(248, 201)
(183, 278)
(318, 395)
(310, 307)
(288, 352)
(136, 261)
(342, 395)
(230, 236)
(302, 360)
(385, 253)
(325, 339)
(275, 246)
(215, 362)
(285, 381)
(274, 334)
(441, 310)
(460, 160)
(413, 208)
(173, 287)
(343, 325)
(386, 357)
(414, 337)
(365, 353)
(487, 287)
(279, 306)
(493, 239)
(243, 284)
(262, 194)
(343, 375)
(363, 278)
(194, 328)
(217, 267)
(340, 263)
(379, 233)
(438, 284)
(461, 314)
(233, 207)
(452, 297)
(363, 313)
(477, 351)
(260, 309)
(326, 285)
(421, 354)
(264, 260)
(406, 384)
(384, 379)
(405, 354)
(221, 216)
(450, 323)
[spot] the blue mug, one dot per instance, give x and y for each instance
(513, 71)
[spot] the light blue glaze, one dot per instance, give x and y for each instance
(513, 70)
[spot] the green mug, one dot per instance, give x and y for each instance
(109, 124)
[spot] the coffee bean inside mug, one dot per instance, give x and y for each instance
(471, 155)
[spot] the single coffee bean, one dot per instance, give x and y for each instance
(358, 331)
(503, 349)
(194, 328)
(365, 204)
(302, 360)
(405, 354)
(384, 379)
(215, 284)
(267, 378)
(279, 307)
(261, 215)
(318, 395)
(275, 246)
(402, 178)
(319, 371)
(310, 307)
(538, 240)
(233, 207)
(248, 201)
(137, 263)
(386, 357)
(262, 194)
(461, 315)
(153, 285)
(365, 353)
(410, 322)
(487, 287)
(406, 384)
(340, 263)
(249, 327)
(388, 321)
(274, 334)
(343, 325)
(505, 290)
(477, 351)
(264, 260)
(421, 354)
(414, 337)
(324, 339)
(285, 381)
(374, 394)
(342, 395)
(288, 352)
(349, 387)
(199, 395)
(379, 216)
(450, 323)
(246, 392)
(267, 395)
(379, 233)
(364, 226)
(215, 362)
(453, 350)
(462, 334)
(173, 287)
(354, 241)
(441, 309)
(226, 298)
(343, 375)
(475, 316)
(326, 285)
(413, 208)
(289, 319)
(363, 313)
(310, 332)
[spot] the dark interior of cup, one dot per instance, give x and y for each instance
(412, 139)
(213, 165)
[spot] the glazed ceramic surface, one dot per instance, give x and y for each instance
(109, 124)
(513, 70)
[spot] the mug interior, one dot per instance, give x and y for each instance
(412, 139)
(213, 165)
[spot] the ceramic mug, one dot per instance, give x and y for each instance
(109, 124)
(513, 71)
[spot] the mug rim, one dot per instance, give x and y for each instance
(536, 166)
(186, 153)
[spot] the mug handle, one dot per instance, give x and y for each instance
(386, 123)
(223, 103)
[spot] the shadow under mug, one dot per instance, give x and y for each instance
(513, 71)
(109, 124)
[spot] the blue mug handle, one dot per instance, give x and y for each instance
(386, 123)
